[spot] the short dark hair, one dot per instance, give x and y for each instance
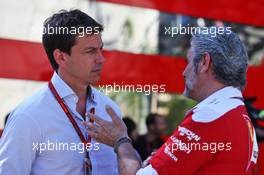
(64, 25)
(151, 119)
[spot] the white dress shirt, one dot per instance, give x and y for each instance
(39, 139)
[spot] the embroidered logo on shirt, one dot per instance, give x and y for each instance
(189, 134)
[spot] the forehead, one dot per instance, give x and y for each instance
(88, 41)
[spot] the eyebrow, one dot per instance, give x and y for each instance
(93, 48)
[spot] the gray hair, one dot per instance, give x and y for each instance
(228, 54)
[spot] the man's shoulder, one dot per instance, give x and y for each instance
(219, 109)
(34, 103)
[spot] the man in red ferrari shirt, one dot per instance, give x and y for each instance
(216, 137)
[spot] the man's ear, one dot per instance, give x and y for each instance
(205, 62)
(59, 57)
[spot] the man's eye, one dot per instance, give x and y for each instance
(91, 51)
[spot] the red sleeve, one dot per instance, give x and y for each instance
(187, 149)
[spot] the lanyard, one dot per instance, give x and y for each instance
(70, 117)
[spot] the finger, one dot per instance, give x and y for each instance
(91, 127)
(94, 135)
(112, 113)
(99, 130)
(97, 135)
(98, 120)
(154, 152)
(146, 163)
(86, 124)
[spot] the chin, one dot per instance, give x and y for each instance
(94, 81)
(186, 92)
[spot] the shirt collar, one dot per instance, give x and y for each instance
(64, 90)
(93, 96)
(224, 93)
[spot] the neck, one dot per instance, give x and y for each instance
(76, 85)
(209, 90)
(80, 90)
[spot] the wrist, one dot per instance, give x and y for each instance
(120, 141)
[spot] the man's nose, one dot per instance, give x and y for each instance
(100, 59)
(183, 73)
